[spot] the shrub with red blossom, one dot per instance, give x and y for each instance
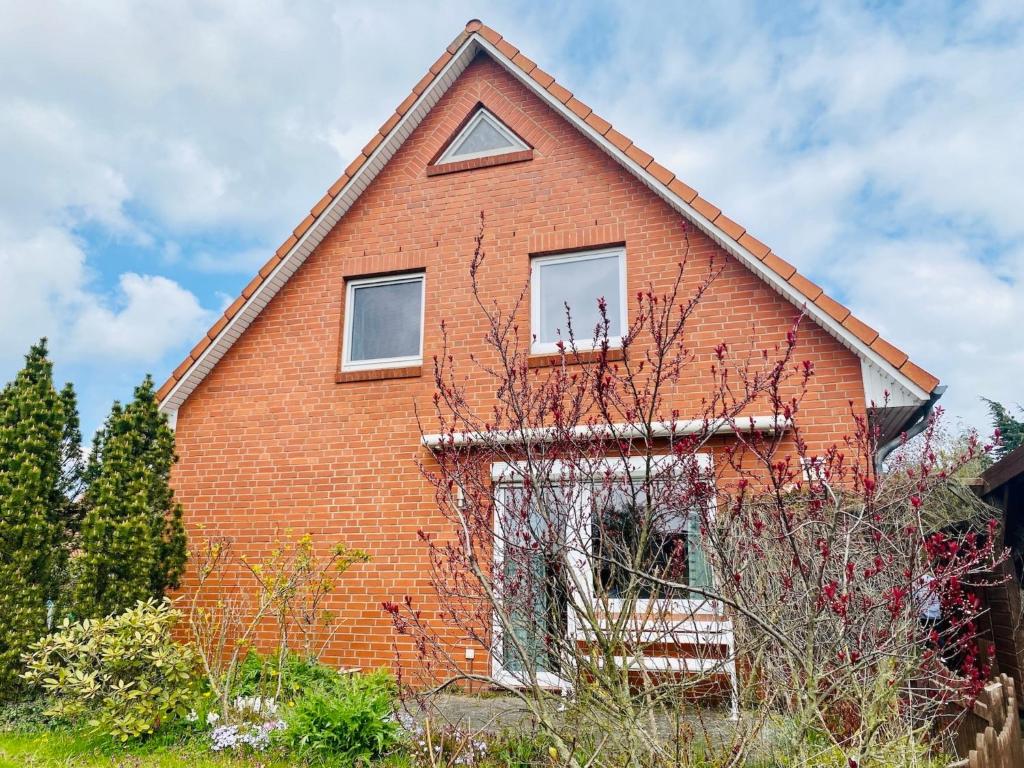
(618, 551)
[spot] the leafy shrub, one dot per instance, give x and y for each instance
(351, 722)
(514, 748)
(28, 715)
(447, 745)
(125, 672)
(258, 676)
(815, 748)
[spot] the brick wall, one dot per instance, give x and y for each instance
(275, 440)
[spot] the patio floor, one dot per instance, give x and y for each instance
(491, 712)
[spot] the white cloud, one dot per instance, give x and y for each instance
(960, 312)
(47, 291)
(244, 262)
(149, 316)
(41, 274)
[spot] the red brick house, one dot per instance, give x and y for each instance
(296, 408)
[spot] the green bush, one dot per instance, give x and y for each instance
(32, 549)
(28, 715)
(352, 722)
(816, 749)
(258, 675)
(125, 673)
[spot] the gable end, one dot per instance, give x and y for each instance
(910, 383)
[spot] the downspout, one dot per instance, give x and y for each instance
(918, 422)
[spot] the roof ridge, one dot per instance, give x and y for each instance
(801, 285)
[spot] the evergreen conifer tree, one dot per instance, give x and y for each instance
(71, 468)
(132, 542)
(32, 419)
(1011, 429)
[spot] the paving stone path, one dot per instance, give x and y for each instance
(495, 712)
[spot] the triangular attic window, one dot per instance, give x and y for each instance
(484, 135)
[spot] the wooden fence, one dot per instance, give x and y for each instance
(997, 739)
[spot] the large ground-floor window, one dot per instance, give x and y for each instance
(569, 549)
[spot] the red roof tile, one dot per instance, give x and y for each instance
(730, 227)
(860, 329)
(267, 268)
(489, 34)
(541, 77)
(233, 308)
(660, 172)
(919, 376)
(705, 209)
(337, 186)
(832, 308)
(321, 206)
(438, 65)
(618, 140)
(685, 191)
(199, 348)
(580, 109)
(165, 388)
(524, 63)
(185, 365)
(782, 267)
(305, 224)
(560, 93)
(507, 48)
(250, 289)
(638, 156)
(755, 246)
(893, 355)
(217, 327)
(805, 286)
(286, 246)
(598, 123)
(372, 144)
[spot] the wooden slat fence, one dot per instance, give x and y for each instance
(998, 744)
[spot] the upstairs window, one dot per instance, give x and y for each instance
(483, 136)
(578, 279)
(384, 322)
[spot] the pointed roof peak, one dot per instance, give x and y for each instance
(876, 353)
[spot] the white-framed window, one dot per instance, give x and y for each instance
(662, 614)
(578, 279)
(384, 322)
(483, 136)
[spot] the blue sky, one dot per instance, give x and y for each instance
(155, 155)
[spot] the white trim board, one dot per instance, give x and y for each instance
(621, 431)
(387, 148)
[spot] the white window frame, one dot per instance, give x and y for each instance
(680, 606)
(587, 342)
(482, 115)
(498, 671)
(511, 474)
(351, 286)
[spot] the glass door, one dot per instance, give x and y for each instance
(529, 552)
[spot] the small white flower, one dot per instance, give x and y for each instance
(211, 718)
(192, 716)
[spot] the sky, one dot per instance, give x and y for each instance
(154, 155)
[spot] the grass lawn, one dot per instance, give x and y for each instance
(67, 748)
